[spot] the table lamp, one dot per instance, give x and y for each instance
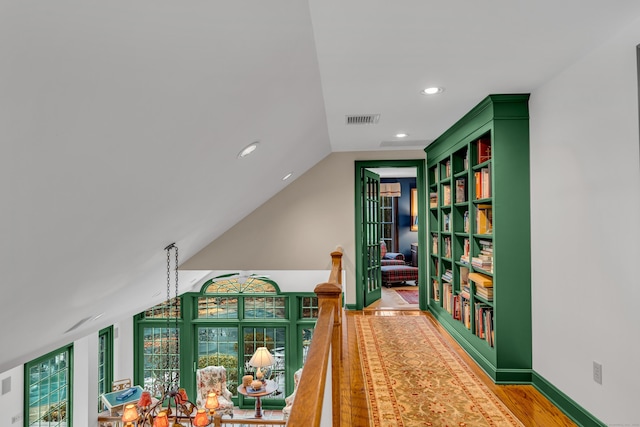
(130, 414)
(212, 403)
(261, 358)
(161, 420)
(201, 419)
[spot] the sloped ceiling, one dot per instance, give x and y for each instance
(120, 123)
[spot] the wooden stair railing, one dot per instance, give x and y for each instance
(327, 340)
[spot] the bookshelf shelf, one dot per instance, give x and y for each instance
(478, 171)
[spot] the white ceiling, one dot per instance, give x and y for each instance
(120, 123)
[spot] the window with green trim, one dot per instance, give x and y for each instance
(222, 325)
(105, 363)
(48, 382)
(161, 346)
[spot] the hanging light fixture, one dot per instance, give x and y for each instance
(146, 411)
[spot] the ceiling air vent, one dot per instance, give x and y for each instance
(363, 119)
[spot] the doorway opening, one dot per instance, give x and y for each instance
(389, 200)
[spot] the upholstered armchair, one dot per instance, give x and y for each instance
(214, 379)
(289, 399)
(390, 258)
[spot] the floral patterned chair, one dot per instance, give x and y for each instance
(286, 411)
(214, 379)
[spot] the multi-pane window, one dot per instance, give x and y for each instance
(48, 380)
(223, 325)
(161, 358)
(309, 308)
(218, 346)
(388, 222)
(274, 340)
(105, 363)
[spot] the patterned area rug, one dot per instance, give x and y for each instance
(413, 378)
(409, 295)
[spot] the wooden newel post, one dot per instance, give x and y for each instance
(331, 294)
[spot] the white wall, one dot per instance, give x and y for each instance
(585, 206)
(11, 401)
(85, 384)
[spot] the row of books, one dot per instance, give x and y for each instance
(484, 218)
(447, 276)
(483, 321)
(459, 307)
(484, 285)
(483, 183)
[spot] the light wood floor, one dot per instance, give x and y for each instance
(526, 403)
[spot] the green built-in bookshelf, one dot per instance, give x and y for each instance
(479, 254)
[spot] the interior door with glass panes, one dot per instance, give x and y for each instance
(371, 233)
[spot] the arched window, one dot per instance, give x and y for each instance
(223, 325)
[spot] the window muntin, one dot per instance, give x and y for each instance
(105, 364)
(234, 285)
(274, 340)
(219, 307)
(48, 380)
(161, 357)
(218, 346)
(264, 307)
(309, 308)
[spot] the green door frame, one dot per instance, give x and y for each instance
(419, 164)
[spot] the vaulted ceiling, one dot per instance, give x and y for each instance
(121, 122)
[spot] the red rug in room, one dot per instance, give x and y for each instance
(409, 295)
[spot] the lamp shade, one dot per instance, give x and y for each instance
(212, 401)
(145, 399)
(261, 358)
(181, 397)
(201, 418)
(161, 420)
(130, 413)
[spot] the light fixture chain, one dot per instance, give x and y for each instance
(176, 312)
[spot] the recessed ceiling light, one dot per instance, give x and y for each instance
(432, 90)
(402, 135)
(287, 176)
(248, 149)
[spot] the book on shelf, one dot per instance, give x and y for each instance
(446, 222)
(436, 290)
(464, 276)
(483, 183)
(447, 247)
(484, 219)
(465, 219)
(434, 243)
(481, 280)
(466, 248)
(465, 292)
(446, 194)
(477, 175)
(486, 293)
(484, 150)
(433, 200)
(447, 169)
(461, 190)
(447, 276)
(483, 317)
(485, 178)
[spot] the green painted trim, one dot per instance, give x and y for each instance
(574, 411)
(443, 317)
(421, 186)
(27, 382)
